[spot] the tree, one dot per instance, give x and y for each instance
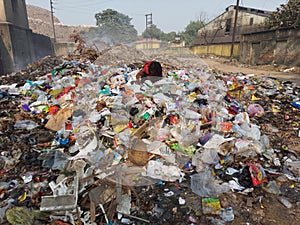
(153, 32)
(191, 31)
(169, 36)
(115, 27)
(288, 15)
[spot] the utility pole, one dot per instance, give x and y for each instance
(234, 27)
(52, 19)
(148, 24)
(148, 20)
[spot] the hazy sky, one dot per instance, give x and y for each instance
(167, 15)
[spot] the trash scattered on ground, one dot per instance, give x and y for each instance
(86, 144)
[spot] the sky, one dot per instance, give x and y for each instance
(167, 15)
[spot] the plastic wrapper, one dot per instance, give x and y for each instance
(255, 110)
(211, 206)
(204, 158)
(158, 170)
(160, 148)
(248, 130)
(248, 148)
(26, 124)
(205, 185)
(242, 118)
(258, 174)
(215, 141)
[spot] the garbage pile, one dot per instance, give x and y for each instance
(86, 144)
(120, 55)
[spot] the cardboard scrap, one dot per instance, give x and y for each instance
(56, 121)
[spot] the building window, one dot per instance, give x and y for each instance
(228, 26)
(251, 21)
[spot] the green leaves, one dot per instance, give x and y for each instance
(288, 15)
(115, 26)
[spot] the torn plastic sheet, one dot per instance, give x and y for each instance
(205, 185)
(124, 205)
(87, 142)
(160, 148)
(158, 170)
(26, 124)
(54, 159)
(216, 140)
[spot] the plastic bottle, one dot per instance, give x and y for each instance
(227, 214)
(285, 202)
(25, 124)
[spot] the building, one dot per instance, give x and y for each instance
(216, 37)
(177, 42)
(220, 29)
(148, 43)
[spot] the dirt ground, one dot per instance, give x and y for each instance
(224, 65)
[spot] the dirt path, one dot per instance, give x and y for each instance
(226, 66)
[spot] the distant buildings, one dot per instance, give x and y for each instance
(148, 43)
(253, 43)
(220, 29)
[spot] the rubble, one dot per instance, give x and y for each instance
(83, 143)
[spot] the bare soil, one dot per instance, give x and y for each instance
(227, 66)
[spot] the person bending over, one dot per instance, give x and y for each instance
(152, 71)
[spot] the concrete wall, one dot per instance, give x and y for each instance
(18, 45)
(23, 52)
(64, 49)
(274, 46)
(14, 12)
(148, 44)
(6, 52)
(216, 49)
(179, 51)
(42, 46)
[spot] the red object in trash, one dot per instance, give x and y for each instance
(53, 109)
(226, 126)
(174, 119)
(258, 174)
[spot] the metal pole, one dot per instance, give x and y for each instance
(234, 27)
(52, 19)
(148, 25)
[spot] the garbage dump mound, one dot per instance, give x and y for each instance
(120, 55)
(85, 143)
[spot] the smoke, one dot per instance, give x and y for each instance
(101, 40)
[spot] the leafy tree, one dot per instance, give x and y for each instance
(288, 15)
(115, 27)
(153, 32)
(191, 31)
(169, 36)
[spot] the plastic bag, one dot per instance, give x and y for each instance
(25, 124)
(255, 110)
(158, 170)
(204, 184)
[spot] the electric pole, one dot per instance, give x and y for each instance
(234, 27)
(52, 19)
(148, 25)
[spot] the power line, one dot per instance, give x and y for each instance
(84, 4)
